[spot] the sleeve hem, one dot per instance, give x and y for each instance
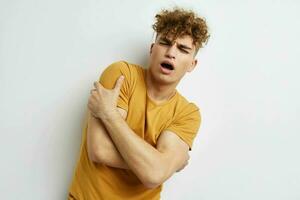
(182, 138)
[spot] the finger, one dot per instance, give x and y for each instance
(93, 90)
(93, 96)
(91, 111)
(97, 85)
(89, 106)
(119, 83)
(92, 101)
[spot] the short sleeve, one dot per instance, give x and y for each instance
(109, 77)
(187, 124)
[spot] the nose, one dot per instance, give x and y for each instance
(171, 51)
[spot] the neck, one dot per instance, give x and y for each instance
(157, 91)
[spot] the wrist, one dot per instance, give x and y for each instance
(110, 116)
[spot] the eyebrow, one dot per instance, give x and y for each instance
(180, 45)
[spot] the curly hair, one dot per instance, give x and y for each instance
(179, 22)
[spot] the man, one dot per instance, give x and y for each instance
(140, 129)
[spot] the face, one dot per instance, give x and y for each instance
(170, 60)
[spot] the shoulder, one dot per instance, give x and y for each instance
(119, 66)
(124, 65)
(186, 107)
(126, 68)
(186, 120)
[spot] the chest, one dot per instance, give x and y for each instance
(146, 120)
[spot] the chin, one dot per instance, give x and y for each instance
(164, 80)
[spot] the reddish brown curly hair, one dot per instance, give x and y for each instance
(179, 22)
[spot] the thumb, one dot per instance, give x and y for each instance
(119, 84)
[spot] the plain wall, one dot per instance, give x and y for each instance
(246, 85)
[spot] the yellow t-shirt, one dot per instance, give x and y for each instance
(94, 181)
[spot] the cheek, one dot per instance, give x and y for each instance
(184, 67)
(187, 63)
(155, 56)
(157, 50)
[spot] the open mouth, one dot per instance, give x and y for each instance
(167, 66)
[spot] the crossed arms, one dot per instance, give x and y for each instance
(151, 165)
(111, 141)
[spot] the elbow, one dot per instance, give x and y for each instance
(151, 185)
(96, 155)
(93, 158)
(152, 180)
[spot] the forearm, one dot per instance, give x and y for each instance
(143, 159)
(101, 149)
(112, 158)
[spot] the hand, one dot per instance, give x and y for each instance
(103, 102)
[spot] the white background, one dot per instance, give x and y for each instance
(246, 85)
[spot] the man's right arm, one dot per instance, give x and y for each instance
(100, 147)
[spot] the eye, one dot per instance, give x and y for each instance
(184, 51)
(163, 43)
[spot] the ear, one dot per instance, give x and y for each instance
(151, 48)
(194, 63)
